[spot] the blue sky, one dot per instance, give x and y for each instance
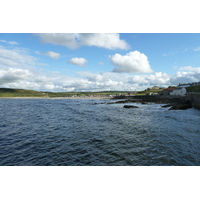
(98, 61)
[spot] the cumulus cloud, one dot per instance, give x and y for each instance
(116, 81)
(13, 75)
(31, 79)
(104, 40)
(75, 40)
(185, 77)
(132, 62)
(190, 68)
(78, 61)
(9, 42)
(88, 81)
(69, 40)
(126, 81)
(50, 54)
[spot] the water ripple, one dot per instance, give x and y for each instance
(78, 132)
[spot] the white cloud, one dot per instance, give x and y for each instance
(15, 58)
(69, 40)
(50, 54)
(88, 81)
(9, 42)
(53, 55)
(76, 40)
(78, 61)
(190, 68)
(132, 62)
(104, 40)
(13, 75)
(185, 77)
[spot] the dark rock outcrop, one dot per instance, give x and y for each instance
(166, 106)
(130, 106)
(181, 107)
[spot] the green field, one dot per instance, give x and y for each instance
(6, 92)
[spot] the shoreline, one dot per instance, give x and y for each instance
(55, 97)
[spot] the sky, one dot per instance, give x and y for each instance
(70, 62)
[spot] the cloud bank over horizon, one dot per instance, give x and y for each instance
(88, 81)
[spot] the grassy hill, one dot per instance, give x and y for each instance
(193, 89)
(7, 92)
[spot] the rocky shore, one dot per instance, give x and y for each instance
(174, 103)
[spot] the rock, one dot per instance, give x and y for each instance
(129, 106)
(144, 103)
(126, 101)
(166, 106)
(181, 107)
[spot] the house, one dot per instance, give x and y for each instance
(195, 83)
(179, 91)
(155, 88)
(151, 93)
(184, 85)
(189, 84)
(167, 91)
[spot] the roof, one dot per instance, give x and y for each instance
(169, 89)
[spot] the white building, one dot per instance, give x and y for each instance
(189, 84)
(180, 91)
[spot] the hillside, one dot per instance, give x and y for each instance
(7, 92)
(193, 89)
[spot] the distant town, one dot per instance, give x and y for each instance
(179, 90)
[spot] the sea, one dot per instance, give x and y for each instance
(90, 132)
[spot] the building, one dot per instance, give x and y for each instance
(167, 91)
(179, 91)
(189, 84)
(155, 88)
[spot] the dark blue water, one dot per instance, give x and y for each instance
(80, 132)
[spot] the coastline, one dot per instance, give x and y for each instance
(55, 97)
(176, 101)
